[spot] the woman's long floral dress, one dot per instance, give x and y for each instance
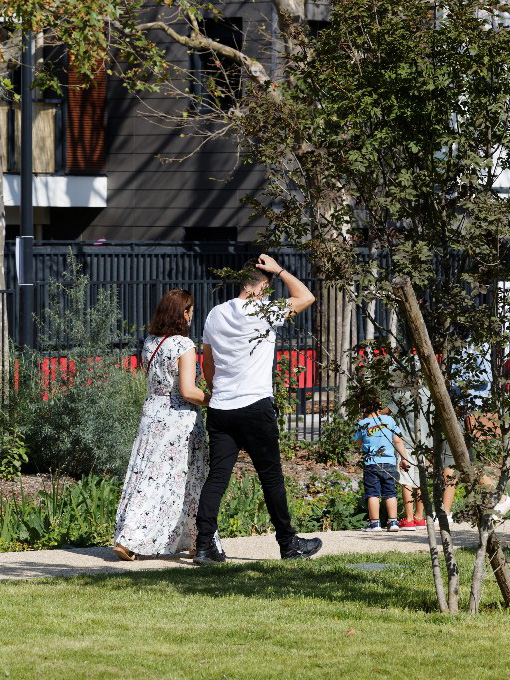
(169, 461)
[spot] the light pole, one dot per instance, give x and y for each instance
(25, 245)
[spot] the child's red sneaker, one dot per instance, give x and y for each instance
(407, 525)
(420, 523)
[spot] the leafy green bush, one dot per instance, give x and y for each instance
(336, 443)
(72, 323)
(13, 453)
(343, 510)
(85, 424)
(82, 514)
(329, 506)
(243, 510)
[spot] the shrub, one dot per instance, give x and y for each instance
(336, 443)
(83, 514)
(243, 510)
(13, 453)
(333, 505)
(85, 424)
(81, 414)
(343, 510)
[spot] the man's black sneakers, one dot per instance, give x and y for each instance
(300, 547)
(211, 553)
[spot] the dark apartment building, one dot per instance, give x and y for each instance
(99, 168)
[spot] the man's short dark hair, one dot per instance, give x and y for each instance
(254, 275)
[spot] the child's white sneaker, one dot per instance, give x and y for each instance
(448, 517)
(373, 525)
(392, 525)
(501, 508)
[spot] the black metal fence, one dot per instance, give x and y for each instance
(144, 261)
(306, 349)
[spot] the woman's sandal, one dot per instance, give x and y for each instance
(124, 554)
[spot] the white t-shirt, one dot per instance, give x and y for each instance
(243, 347)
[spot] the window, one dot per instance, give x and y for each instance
(315, 27)
(216, 82)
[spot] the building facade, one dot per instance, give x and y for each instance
(101, 167)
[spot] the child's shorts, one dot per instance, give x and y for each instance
(412, 476)
(379, 480)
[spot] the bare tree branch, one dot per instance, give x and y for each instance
(197, 41)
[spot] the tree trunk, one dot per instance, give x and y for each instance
(499, 566)
(328, 330)
(4, 330)
(431, 536)
(478, 569)
(495, 554)
(345, 350)
(354, 330)
(369, 324)
(393, 322)
(369, 321)
(446, 414)
(444, 527)
(429, 514)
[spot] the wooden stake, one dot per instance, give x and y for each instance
(404, 291)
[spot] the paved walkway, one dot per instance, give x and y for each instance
(43, 563)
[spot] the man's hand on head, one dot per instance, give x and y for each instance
(268, 264)
(300, 296)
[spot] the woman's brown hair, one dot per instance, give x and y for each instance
(169, 318)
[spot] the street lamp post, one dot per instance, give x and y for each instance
(25, 245)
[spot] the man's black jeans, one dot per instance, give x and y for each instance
(254, 429)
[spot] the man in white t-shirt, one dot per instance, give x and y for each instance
(239, 345)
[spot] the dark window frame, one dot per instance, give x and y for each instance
(202, 66)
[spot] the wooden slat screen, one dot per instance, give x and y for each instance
(43, 137)
(86, 124)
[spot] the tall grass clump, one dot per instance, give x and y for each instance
(80, 514)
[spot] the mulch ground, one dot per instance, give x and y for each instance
(30, 485)
(302, 469)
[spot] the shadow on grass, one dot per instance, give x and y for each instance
(402, 586)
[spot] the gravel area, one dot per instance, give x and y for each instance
(48, 563)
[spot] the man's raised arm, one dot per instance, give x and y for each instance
(300, 297)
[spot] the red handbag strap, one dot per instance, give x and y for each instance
(155, 352)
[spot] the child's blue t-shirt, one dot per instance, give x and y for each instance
(376, 434)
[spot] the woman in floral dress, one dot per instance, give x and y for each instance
(169, 460)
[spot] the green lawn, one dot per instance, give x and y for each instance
(261, 620)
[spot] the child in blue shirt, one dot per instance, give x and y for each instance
(379, 436)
